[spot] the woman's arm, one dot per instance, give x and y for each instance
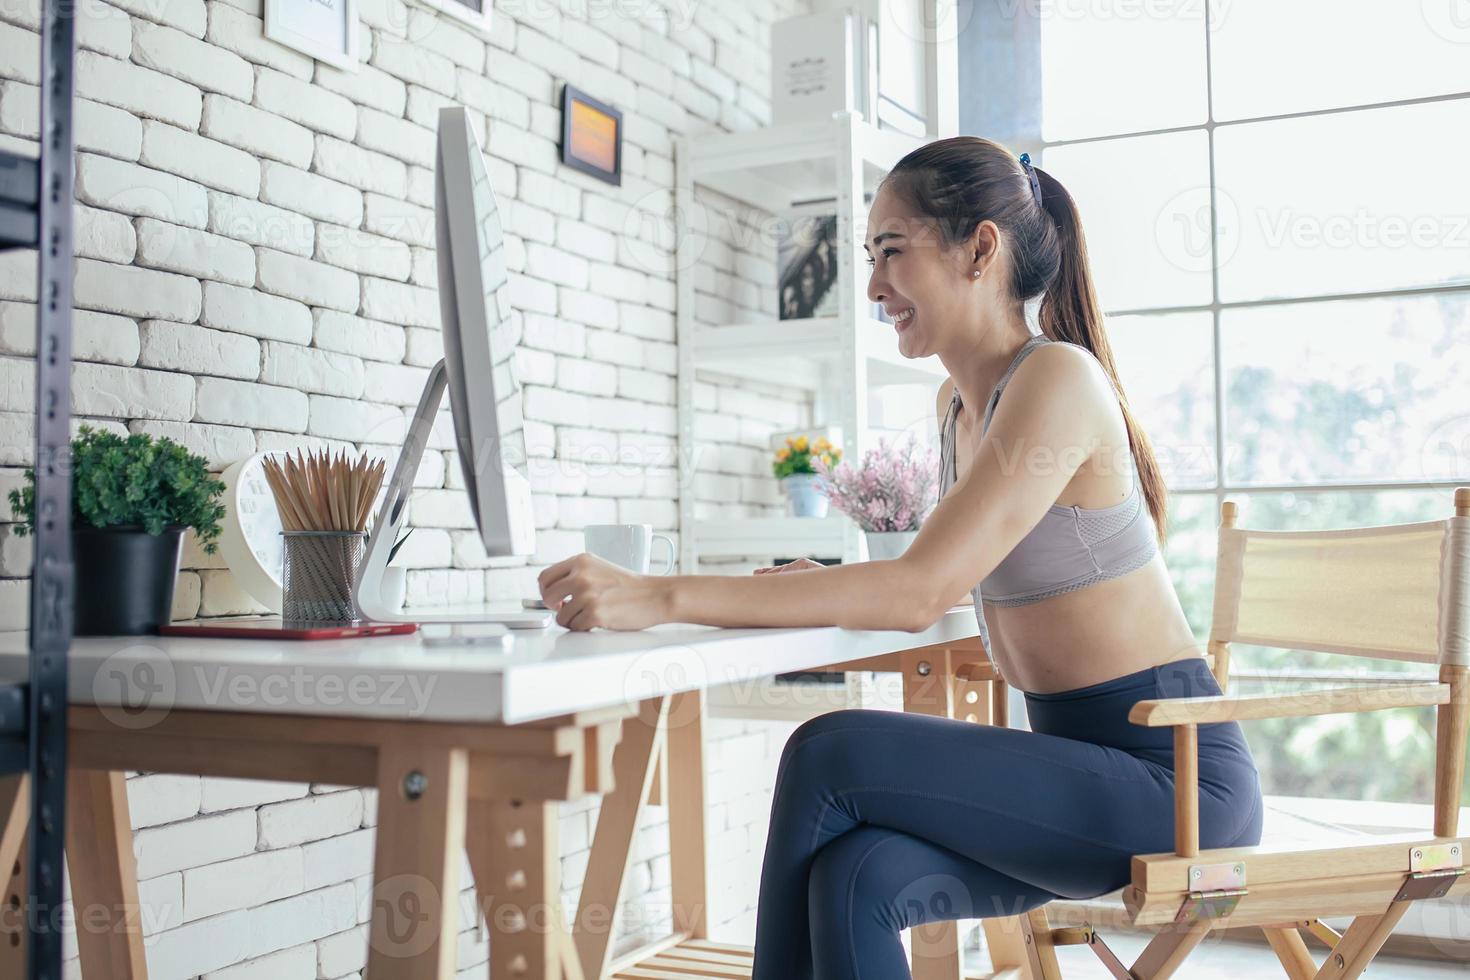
(1050, 422)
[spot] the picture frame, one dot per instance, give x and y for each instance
(326, 30)
(476, 13)
(591, 136)
(806, 266)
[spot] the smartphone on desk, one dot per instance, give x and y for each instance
(465, 634)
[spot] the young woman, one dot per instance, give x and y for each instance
(1053, 503)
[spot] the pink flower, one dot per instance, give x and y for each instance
(893, 489)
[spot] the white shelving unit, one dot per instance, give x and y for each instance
(836, 358)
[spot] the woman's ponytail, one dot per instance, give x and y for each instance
(1070, 312)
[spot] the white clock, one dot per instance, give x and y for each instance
(250, 534)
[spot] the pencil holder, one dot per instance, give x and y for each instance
(319, 576)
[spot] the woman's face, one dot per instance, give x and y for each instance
(928, 288)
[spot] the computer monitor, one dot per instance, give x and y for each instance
(478, 370)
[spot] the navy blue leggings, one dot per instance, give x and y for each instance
(884, 820)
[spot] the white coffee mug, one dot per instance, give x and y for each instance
(627, 545)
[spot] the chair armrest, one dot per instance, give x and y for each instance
(1335, 700)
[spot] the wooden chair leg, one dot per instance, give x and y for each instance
(422, 796)
(635, 763)
(1040, 951)
(1360, 943)
(685, 777)
(1168, 950)
(15, 807)
(1292, 951)
(104, 875)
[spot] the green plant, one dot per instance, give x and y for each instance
(800, 456)
(132, 481)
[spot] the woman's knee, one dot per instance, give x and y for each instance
(816, 741)
(849, 880)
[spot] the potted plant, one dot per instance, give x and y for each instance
(795, 467)
(132, 499)
(888, 495)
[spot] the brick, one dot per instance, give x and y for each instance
(137, 292)
(104, 235)
(414, 63)
(362, 251)
(308, 819)
(310, 194)
(130, 189)
(585, 240)
(552, 193)
(530, 80)
(348, 334)
(366, 86)
(397, 384)
(251, 222)
(200, 947)
(396, 302)
(198, 350)
(298, 963)
(148, 93)
(203, 160)
(395, 137)
(97, 128)
(532, 295)
(346, 952)
(313, 107)
(338, 859)
(442, 35)
(308, 369)
(174, 248)
(175, 53)
(221, 445)
(128, 392)
(23, 50)
(615, 348)
(247, 403)
(555, 265)
(261, 133)
(244, 34)
(358, 421)
(255, 313)
(551, 334)
(187, 15)
(363, 169)
(95, 336)
(162, 798)
(588, 377)
(501, 104)
(220, 592)
(310, 282)
(425, 347)
(552, 405)
(398, 220)
(302, 919)
(242, 883)
(591, 308)
(161, 850)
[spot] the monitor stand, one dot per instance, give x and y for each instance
(391, 517)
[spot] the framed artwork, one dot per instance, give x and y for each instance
(591, 136)
(326, 30)
(806, 266)
(473, 12)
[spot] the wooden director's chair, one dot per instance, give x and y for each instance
(1400, 592)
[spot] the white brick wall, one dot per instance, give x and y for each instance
(257, 270)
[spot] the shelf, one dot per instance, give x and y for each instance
(733, 537)
(19, 192)
(800, 353)
(776, 166)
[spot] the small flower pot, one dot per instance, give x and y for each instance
(888, 544)
(125, 579)
(803, 499)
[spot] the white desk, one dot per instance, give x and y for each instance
(473, 738)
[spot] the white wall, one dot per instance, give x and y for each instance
(255, 270)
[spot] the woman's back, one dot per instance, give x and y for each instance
(1126, 622)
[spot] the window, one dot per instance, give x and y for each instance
(1275, 204)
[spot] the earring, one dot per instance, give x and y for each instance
(975, 274)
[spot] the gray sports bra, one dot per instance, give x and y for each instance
(1071, 547)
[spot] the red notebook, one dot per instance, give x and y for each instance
(271, 627)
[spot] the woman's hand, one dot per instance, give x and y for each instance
(586, 591)
(800, 565)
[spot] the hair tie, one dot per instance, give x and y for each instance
(1031, 177)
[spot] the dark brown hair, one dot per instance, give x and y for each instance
(961, 181)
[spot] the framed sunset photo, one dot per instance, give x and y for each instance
(591, 135)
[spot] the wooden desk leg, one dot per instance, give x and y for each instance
(928, 690)
(422, 796)
(635, 762)
(104, 875)
(684, 746)
(15, 812)
(515, 853)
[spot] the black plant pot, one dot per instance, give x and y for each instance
(124, 579)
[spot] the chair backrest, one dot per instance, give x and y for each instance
(1399, 591)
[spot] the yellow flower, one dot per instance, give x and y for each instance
(801, 444)
(781, 454)
(823, 445)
